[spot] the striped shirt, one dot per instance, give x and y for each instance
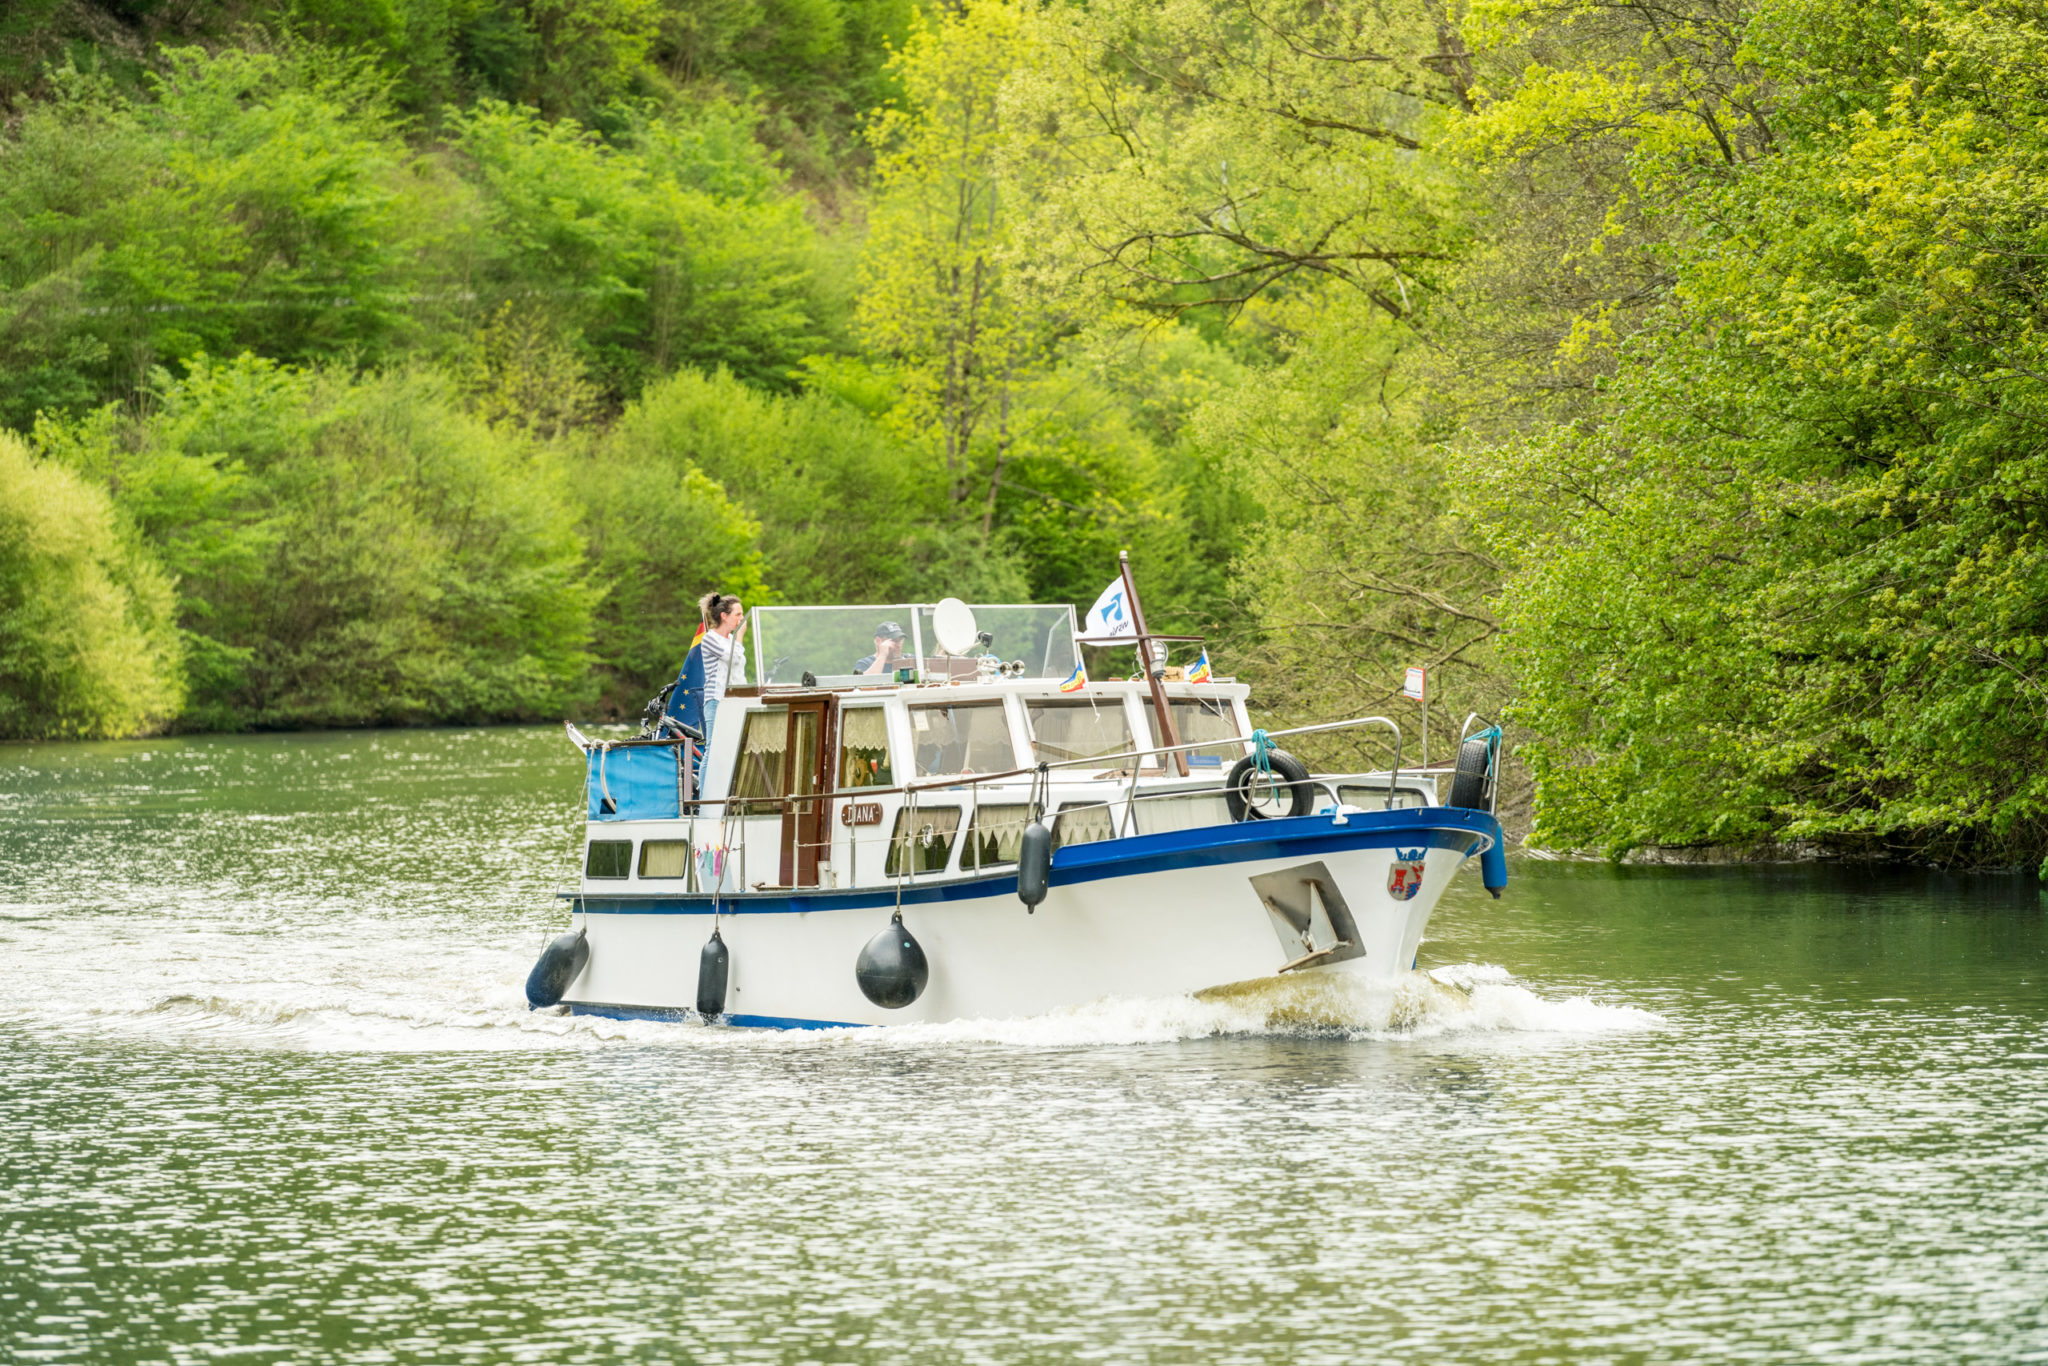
(725, 664)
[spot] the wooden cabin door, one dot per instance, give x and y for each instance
(806, 823)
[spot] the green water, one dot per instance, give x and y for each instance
(271, 1097)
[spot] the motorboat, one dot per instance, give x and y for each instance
(983, 830)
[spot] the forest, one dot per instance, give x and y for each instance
(1668, 376)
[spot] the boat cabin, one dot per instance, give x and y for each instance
(822, 777)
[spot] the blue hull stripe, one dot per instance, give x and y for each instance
(1454, 828)
(675, 1015)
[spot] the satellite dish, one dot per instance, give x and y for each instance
(953, 627)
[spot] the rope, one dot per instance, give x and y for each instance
(1492, 737)
(1262, 751)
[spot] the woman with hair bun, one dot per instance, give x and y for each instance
(717, 661)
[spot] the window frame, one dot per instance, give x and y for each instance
(752, 803)
(978, 704)
(1410, 799)
(970, 836)
(1120, 707)
(1108, 814)
(887, 778)
(641, 874)
(899, 841)
(1218, 706)
(590, 848)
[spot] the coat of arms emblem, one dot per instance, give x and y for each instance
(1404, 879)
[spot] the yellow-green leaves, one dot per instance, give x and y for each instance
(939, 294)
(88, 645)
(1787, 582)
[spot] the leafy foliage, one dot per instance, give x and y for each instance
(348, 552)
(248, 205)
(1672, 370)
(87, 644)
(1792, 584)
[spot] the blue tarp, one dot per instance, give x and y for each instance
(643, 780)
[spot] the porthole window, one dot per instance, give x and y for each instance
(608, 858)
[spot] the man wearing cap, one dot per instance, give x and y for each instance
(888, 649)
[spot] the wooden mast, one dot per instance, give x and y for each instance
(1167, 735)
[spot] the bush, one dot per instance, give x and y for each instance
(350, 551)
(88, 648)
(848, 512)
(661, 536)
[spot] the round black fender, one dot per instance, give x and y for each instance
(1034, 864)
(714, 965)
(892, 970)
(1468, 784)
(559, 964)
(1255, 796)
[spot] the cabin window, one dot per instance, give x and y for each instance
(1373, 797)
(1197, 720)
(608, 858)
(923, 840)
(864, 748)
(758, 771)
(1082, 823)
(664, 858)
(1079, 730)
(994, 836)
(963, 737)
(1156, 815)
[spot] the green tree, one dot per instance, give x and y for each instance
(1790, 584)
(349, 551)
(247, 205)
(1272, 179)
(849, 512)
(813, 68)
(938, 295)
(88, 648)
(679, 248)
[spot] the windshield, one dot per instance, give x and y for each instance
(833, 644)
(793, 641)
(1042, 637)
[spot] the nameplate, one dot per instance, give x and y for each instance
(861, 813)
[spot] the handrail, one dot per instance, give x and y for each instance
(955, 780)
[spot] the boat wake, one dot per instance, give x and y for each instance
(1469, 999)
(477, 1006)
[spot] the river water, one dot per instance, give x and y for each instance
(271, 1096)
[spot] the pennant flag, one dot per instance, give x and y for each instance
(1076, 680)
(1110, 617)
(1200, 672)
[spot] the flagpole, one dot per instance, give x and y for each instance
(1166, 731)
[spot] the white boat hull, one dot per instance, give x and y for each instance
(1149, 916)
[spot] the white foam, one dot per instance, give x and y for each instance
(478, 1005)
(1474, 998)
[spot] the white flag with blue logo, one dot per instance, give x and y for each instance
(1110, 617)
